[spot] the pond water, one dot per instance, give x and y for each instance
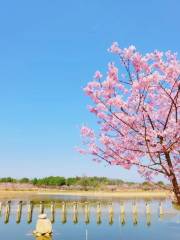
(93, 219)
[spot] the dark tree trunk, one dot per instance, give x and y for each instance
(174, 181)
(176, 189)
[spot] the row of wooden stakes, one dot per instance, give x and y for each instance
(7, 210)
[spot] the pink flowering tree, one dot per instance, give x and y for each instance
(137, 109)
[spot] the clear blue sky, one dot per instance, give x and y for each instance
(49, 50)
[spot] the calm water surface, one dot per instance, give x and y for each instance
(105, 226)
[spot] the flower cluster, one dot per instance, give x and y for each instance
(138, 112)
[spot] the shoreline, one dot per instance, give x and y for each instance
(121, 194)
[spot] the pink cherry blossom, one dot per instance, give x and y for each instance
(129, 52)
(114, 48)
(97, 75)
(87, 132)
(81, 151)
(138, 114)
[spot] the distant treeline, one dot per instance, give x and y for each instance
(72, 181)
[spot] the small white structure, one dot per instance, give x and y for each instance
(43, 226)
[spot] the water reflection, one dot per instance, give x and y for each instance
(123, 221)
(64, 217)
(87, 218)
(131, 219)
(98, 218)
(43, 238)
(0, 209)
(76, 207)
(148, 219)
(111, 218)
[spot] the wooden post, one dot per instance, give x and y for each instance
(75, 218)
(7, 211)
(64, 213)
(30, 212)
(122, 208)
(111, 210)
(122, 213)
(98, 210)
(41, 207)
(75, 207)
(161, 212)
(86, 210)
(135, 213)
(52, 212)
(98, 218)
(148, 210)
(148, 219)
(111, 214)
(63, 207)
(19, 212)
(134, 208)
(75, 213)
(148, 214)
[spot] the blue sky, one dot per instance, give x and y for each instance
(49, 50)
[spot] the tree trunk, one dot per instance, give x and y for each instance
(174, 181)
(176, 189)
